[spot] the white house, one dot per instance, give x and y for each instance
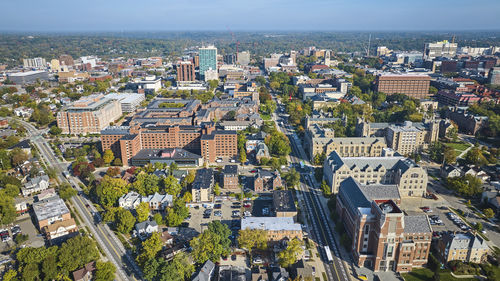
(35, 185)
(158, 201)
(130, 200)
(144, 229)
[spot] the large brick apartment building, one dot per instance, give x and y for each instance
(383, 237)
(89, 115)
(127, 141)
(415, 86)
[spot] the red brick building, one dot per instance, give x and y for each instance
(383, 238)
(415, 86)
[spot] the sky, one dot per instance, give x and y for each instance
(249, 15)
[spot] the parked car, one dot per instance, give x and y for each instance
(257, 260)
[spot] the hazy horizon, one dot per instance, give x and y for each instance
(257, 15)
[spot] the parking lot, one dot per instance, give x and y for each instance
(25, 227)
(436, 209)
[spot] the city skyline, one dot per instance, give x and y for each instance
(258, 15)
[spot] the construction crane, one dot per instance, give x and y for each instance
(233, 40)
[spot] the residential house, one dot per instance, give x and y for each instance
(279, 274)
(158, 202)
(261, 151)
(35, 185)
(61, 230)
(21, 205)
(277, 228)
(145, 228)
(130, 200)
(206, 272)
(265, 180)
(465, 247)
(449, 171)
(302, 270)
(86, 273)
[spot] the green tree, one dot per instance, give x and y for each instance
(290, 255)
(206, 246)
(252, 238)
(449, 155)
(177, 213)
(158, 218)
(109, 190)
(489, 213)
(76, 253)
(187, 197)
(478, 226)
(326, 188)
(18, 156)
(173, 167)
(66, 191)
(142, 212)
(54, 130)
(49, 268)
(150, 269)
(108, 156)
(172, 186)
(30, 272)
(10, 275)
(243, 155)
(117, 162)
(125, 221)
(217, 189)
(213, 84)
(223, 231)
(150, 248)
(292, 178)
(105, 271)
(475, 156)
(146, 184)
(7, 208)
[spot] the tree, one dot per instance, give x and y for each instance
(252, 238)
(489, 213)
(478, 226)
(292, 178)
(66, 191)
(223, 231)
(261, 80)
(173, 167)
(189, 179)
(7, 208)
(117, 162)
(105, 271)
(187, 197)
(475, 156)
(49, 268)
(142, 211)
(18, 156)
(213, 84)
(326, 188)
(108, 156)
(217, 189)
(158, 218)
(10, 275)
(146, 184)
(30, 272)
(125, 221)
(278, 144)
(150, 247)
(172, 186)
(177, 213)
(76, 253)
(452, 133)
(289, 256)
(150, 269)
(243, 155)
(206, 246)
(109, 190)
(54, 130)
(449, 155)
(113, 172)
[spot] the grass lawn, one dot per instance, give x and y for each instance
(459, 146)
(425, 274)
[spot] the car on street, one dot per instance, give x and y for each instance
(258, 260)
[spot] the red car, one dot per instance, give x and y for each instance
(253, 171)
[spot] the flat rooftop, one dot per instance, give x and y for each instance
(50, 208)
(270, 223)
(283, 201)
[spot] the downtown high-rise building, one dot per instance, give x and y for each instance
(185, 71)
(37, 63)
(208, 60)
(440, 49)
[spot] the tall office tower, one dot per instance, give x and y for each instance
(230, 58)
(243, 58)
(185, 71)
(66, 60)
(37, 63)
(440, 49)
(208, 59)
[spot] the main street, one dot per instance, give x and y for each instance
(318, 222)
(126, 267)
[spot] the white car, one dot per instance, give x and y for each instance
(257, 260)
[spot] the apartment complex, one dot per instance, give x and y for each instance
(277, 228)
(89, 115)
(185, 71)
(283, 204)
(129, 101)
(410, 178)
(440, 49)
(383, 238)
(322, 140)
(37, 63)
(202, 188)
(208, 60)
(230, 177)
(127, 141)
(265, 180)
(465, 247)
(415, 86)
